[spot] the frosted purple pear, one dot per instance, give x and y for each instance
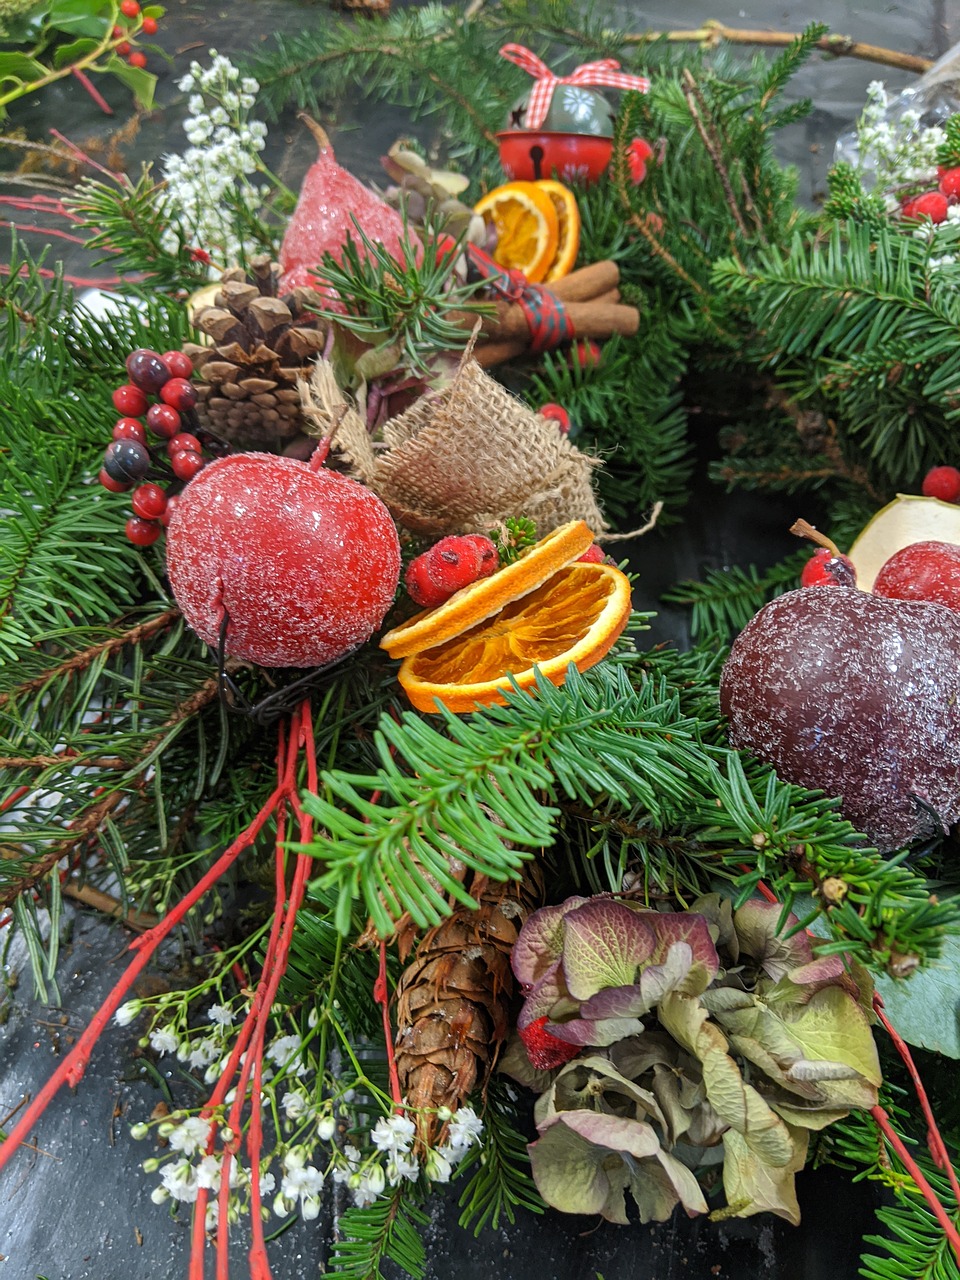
(857, 696)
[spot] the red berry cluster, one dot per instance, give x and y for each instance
(934, 204)
(130, 9)
(942, 482)
(130, 459)
(452, 563)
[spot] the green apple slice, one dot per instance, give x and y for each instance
(908, 519)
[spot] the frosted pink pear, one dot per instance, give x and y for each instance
(330, 198)
(304, 563)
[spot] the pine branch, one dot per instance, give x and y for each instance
(498, 1170)
(385, 1230)
(725, 601)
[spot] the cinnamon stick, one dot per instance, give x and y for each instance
(587, 282)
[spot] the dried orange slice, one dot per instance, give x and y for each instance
(574, 617)
(527, 226)
(568, 216)
(482, 599)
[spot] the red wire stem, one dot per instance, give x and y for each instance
(93, 91)
(916, 1173)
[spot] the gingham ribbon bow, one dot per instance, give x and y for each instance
(607, 72)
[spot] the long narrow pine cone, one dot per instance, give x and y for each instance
(454, 998)
(259, 345)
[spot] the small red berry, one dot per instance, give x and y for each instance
(147, 370)
(942, 483)
(489, 557)
(179, 393)
(137, 59)
(825, 569)
(592, 555)
(142, 533)
(950, 182)
(545, 1050)
(129, 429)
(585, 353)
(558, 414)
(129, 8)
(419, 586)
(172, 503)
(130, 400)
(108, 482)
(180, 365)
(149, 26)
(163, 420)
(186, 464)
(149, 501)
(183, 440)
(932, 205)
(454, 563)
(123, 48)
(117, 32)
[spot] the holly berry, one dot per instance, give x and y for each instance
(142, 533)
(130, 400)
(303, 564)
(827, 569)
(448, 565)
(137, 59)
(108, 482)
(950, 183)
(129, 8)
(149, 26)
(932, 205)
(149, 501)
(942, 482)
(489, 557)
(183, 440)
(179, 394)
(558, 414)
(163, 420)
(585, 353)
(123, 48)
(147, 370)
(129, 429)
(186, 464)
(593, 555)
(544, 1049)
(180, 365)
(126, 460)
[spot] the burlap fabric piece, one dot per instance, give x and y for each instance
(463, 459)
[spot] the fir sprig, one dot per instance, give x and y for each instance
(725, 600)
(384, 1230)
(497, 1172)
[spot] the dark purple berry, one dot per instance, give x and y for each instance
(163, 420)
(126, 460)
(147, 370)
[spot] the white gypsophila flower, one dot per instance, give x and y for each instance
(127, 1012)
(326, 1128)
(179, 1179)
(282, 1051)
(436, 1166)
(221, 1015)
(295, 1104)
(201, 1053)
(190, 1135)
(347, 1164)
(402, 1166)
(464, 1130)
(208, 1173)
(393, 1134)
(163, 1041)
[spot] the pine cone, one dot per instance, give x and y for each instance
(454, 998)
(261, 345)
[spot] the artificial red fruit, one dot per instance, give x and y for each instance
(108, 482)
(183, 440)
(302, 563)
(129, 429)
(544, 1050)
(142, 533)
(149, 28)
(593, 555)
(854, 695)
(558, 414)
(489, 556)
(163, 420)
(149, 501)
(129, 8)
(444, 568)
(942, 482)
(922, 571)
(420, 586)
(179, 394)
(137, 59)
(173, 502)
(932, 205)
(186, 463)
(329, 201)
(147, 370)
(826, 568)
(585, 353)
(130, 400)
(949, 182)
(638, 153)
(179, 364)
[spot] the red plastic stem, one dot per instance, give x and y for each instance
(938, 1148)
(48, 231)
(916, 1173)
(93, 91)
(80, 154)
(70, 1071)
(382, 996)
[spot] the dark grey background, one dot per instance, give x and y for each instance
(78, 1207)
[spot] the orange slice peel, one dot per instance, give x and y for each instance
(527, 226)
(568, 217)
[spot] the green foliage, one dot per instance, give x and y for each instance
(498, 1170)
(384, 1230)
(726, 599)
(848, 199)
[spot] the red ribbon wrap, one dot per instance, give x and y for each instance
(606, 72)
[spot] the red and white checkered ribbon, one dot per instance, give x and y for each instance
(607, 73)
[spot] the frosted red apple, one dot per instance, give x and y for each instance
(922, 571)
(855, 695)
(304, 563)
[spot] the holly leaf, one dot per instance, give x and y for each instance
(925, 1008)
(141, 82)
(17, 68)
